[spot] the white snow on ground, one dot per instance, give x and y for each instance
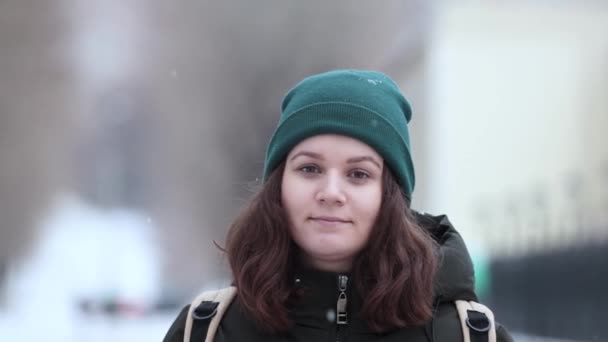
(84, 253)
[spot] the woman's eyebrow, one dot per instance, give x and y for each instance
(364, 158)
(307, 154)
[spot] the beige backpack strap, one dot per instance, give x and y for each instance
(462, 306)
(224, 297)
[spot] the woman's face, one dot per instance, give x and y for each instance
(332, 191)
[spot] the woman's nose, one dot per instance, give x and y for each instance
(331, 190)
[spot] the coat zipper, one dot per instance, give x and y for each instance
(341, 315)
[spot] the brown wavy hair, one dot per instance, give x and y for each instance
(394, 272)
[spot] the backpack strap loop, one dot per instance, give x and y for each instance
(205, 314)
(477, 321)
(205, 310)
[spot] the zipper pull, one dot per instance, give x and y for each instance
(342, 301)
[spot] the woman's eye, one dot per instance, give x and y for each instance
(359, 174)
(310, 169)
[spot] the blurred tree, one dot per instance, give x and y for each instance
(35, 117)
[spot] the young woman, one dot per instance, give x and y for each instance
(328, 249)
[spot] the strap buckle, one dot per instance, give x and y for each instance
(478, 322)
(205, 310)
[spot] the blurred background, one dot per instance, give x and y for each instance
(132, 131)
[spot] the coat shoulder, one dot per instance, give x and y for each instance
(176, 331)
(445, 325)
(502, 335)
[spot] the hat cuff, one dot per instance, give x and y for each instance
(345, 119)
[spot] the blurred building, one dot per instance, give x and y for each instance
(519, 155)
(517, 93)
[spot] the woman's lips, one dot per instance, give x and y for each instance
(329, 220)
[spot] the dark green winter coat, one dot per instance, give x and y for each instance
(455, 280)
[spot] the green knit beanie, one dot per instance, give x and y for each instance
(365, 105)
